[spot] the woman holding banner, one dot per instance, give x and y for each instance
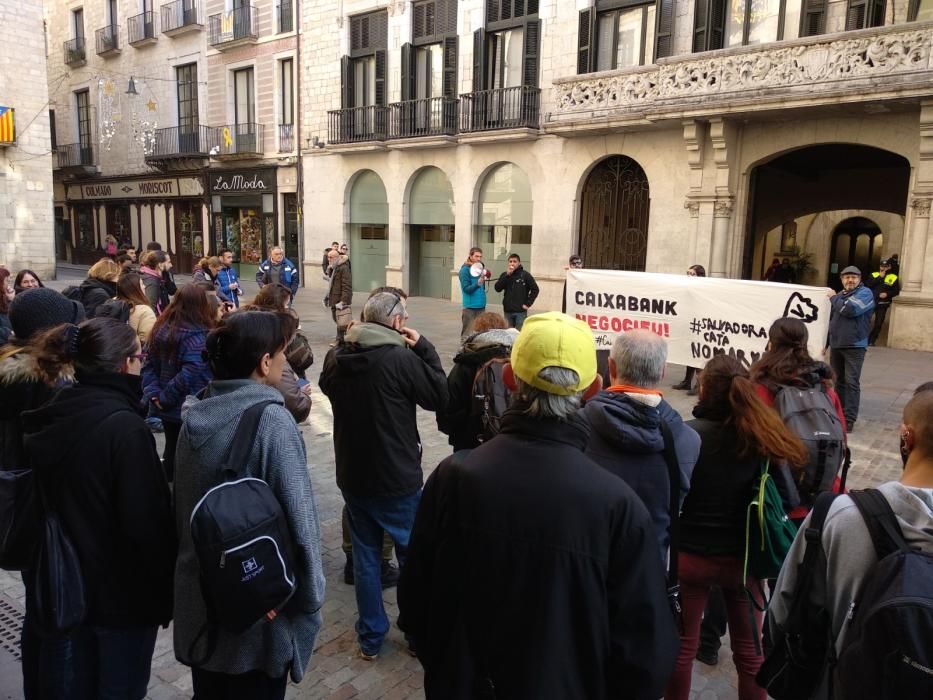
(687, 383)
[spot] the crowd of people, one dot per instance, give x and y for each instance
(582, 541)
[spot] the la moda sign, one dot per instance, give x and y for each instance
(253, 181)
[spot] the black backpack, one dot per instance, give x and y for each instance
(798, 653)
(888, 650)
(809, 413)
(116, 309)
(243, 542)
(490, 398)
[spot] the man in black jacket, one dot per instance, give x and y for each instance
(533, 573)
(520, 291)
(885, 285)
(374, 381)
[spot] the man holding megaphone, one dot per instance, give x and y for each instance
(473, 279)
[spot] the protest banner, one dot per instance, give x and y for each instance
(699, 316)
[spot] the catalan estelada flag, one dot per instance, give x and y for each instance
(7, 133)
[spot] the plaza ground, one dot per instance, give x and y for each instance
(888, 380)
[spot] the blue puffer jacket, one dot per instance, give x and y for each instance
(288, 274)
(850, 321)
(474, 292)
(625, 438)
(225, 277)
(176, 369)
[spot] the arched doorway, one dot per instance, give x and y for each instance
(431, 234)
(369, 231)
(505, 213)
(856, 241)
(614, 216)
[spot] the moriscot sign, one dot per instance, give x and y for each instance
(137, 189)
(699, 316)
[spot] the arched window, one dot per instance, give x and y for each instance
(369, 231)
(431, 234)
(856, 241)
(504, 216)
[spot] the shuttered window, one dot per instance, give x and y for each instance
(505, 10)
(719, 24)
(813, 17)
(861, 14)
(363, 71)
(429, 62)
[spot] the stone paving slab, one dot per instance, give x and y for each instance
(889, 378)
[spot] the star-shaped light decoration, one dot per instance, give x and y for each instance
(109, 87)
(151, 105)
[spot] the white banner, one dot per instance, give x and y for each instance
(699, 316)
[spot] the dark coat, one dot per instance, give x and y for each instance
(341, 284)
(6, 329)
(850, 318)
(175, 369)
(95, 292)
(156, 291)
(92, 450)
(532, 567)
(626, 439)
(374, 382)
(518, 288)
(890, 284)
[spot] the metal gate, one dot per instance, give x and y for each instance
(614, 216)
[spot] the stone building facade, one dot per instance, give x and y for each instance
(25, 148)
(644, 136)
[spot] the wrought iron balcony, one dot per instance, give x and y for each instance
(140, 29)
(502, 108)
(286, 138)
(75, 52)
(181, 16)
(75, 156)
(108, 40)
(182, 142)
(887, 63)
(242, 140)
(432, 116)
(286, 14)
(356, 124)
(234, 28)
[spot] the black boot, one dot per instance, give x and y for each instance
(389, 574)
(348, 570)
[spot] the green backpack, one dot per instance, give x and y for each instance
(769, 533)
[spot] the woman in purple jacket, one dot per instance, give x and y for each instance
(175, 367)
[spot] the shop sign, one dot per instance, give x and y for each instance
(252, 181)
(137, 189)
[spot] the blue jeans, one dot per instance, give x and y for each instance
(847, 364)
(516, 319)
(369, 517)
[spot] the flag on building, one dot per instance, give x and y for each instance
(7, 132)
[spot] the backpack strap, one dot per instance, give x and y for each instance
(673, 475)
(879, 517)
(245, 436)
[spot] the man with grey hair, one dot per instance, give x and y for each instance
(375, 380)
(278, 270)
(626, 421)
(532, 572)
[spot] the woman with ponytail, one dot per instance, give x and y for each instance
(95, 462)
(142, 318)
(739, 433)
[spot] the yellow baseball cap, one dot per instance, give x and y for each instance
(554, 339)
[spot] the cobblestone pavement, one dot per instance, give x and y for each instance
(888, 380)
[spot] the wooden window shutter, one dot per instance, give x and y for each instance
(700, 15)
(380, 55)
(530, 62)
(379, 30)
(346, 82)
(408, 73)
(479, 60)
(874, 17)
(813, 17)
(855, 14)
(430, 19)
(585, 41)
(417, 21)
(451, 44)
(912, 9)
(531, 7)
(717, 24)
(664, 33)
(492, 10)
(450, 10)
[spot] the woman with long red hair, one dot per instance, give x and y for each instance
(739, 435)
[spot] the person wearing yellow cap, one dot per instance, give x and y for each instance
(533, 572)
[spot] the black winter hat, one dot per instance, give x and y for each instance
(35, 310)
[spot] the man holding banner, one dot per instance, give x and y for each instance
(849, 327)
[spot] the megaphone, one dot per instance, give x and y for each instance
(476, 269)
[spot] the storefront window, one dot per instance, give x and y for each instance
(369, 231)
(243, 230)
(84, 222)
(505, 214)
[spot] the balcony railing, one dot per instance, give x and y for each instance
(432, 116)
(893, 61)
(356, 124)
(285, 12)
(286, 138)
(141, 29)
(183, 142)
(181, 16)
(237, 140)
(75, 155)
(75, 52)
(502, 108)
(108, 40)
(237, 25)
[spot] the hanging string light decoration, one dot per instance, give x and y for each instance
(144, 116)
(108, 112)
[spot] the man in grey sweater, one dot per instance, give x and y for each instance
(847, 553)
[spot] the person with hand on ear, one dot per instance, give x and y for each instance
(567, 597)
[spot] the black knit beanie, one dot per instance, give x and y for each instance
(35, 310)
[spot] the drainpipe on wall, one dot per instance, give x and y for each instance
(299, 135)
